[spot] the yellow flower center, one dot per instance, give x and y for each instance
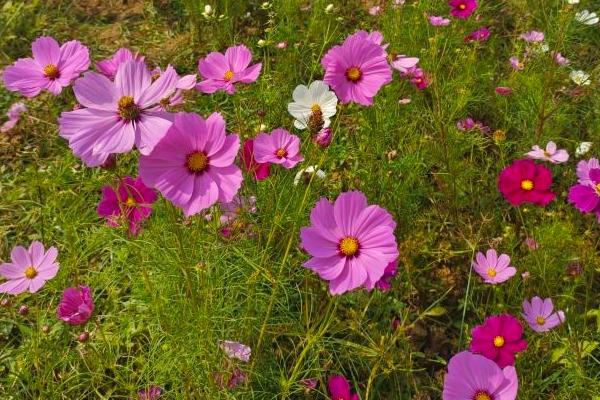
(598, 189)
(527, 184)
(540, 320)
(228, 75)
(51, 71)
(499, 341)
(491, 272)
(353, 74)
(197, 162)
(30, 272)
(130, 201)
(128, 110)
(482, 396)
(462, 6)
(349, 246)
(280, 153)
(315, 107)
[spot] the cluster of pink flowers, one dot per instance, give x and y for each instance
(470, 124)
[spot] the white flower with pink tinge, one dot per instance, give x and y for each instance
(551, 153)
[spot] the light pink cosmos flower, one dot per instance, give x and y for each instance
(280, 147)
(223, 71)
(29, 269)
(538, 314)
(358, 68)
(236, 207)
(583, 170)
(14, 115)
(52, 67)
(438, 21)
(351, 243)
(186, 82)
(375, 10)
(533, 36)
(493, 269)
(76, 306)
(193, 165)
(561, 60)
(236, 350)
(404, 64)
(119, 114)
(109, 66)
(516, 64)
(551, 154)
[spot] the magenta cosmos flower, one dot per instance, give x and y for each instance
(493, 269)
(351, 242)
(551, 153)
(29, 269)
(130, 203)
(109, 66)
(153, 392)
(474, 377)
(118, 114)
(385, 283)
(524, 181)
(586, 197)
(357, 69)
(280, 147)
(260, 171)
(223, 71)
(540, 316)
(504, 90)
(499, 339)
(76, 305)
(583, 170)
(51, 68)
(339, 388)
(462, 8)
(532, 36)
(193, 165)
(480, 35)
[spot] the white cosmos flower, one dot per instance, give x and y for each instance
(583, 148)
(580, 78)
(309, 171)
(587, 18)
(307, 100)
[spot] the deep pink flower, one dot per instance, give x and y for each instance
(236, 350)
(533, 36)
(109, 66)
(583, 170)
(524, 181)
(384, 284)
(29, 269)
(462, 8)
(280, 147)
(438, 21)
(419, 79)
(237, 377)
(223, 71)
(76, 306)
(469, 124)
(586, 197)
(118, 114)
(493, 269)
(504, 91)
(551, 153)
(474, 377)
(351, 243)
(14, 115)
(480, 35)
(516, 64)
(357, 69)
(152, 392)
(260, 171)
(405, 64)
(51, 68)
(131, 203)
(540, 316)
(193, 165)
(323, 137)
(339, 388)
(499, 339)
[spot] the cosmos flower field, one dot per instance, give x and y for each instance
(293, 199)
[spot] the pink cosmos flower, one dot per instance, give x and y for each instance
(560, 60)
(339, 388)
(551, 154)
(474, 377)
(324, 137)
(236, 350)
(499, 339)
(109, 66)
(516, 64)
(280, 147)
(357, 69)
(375, 10)
(586, 196)
(504, 91)
(14, 115)
(184, 83)
(583, 170)
(118, 114)
(236, 207)
(439, 21)
(539, 315)
(52, 67)
(282, 45)
(384, 284)
(76, 306)
(223, 71)
(419, 79)
(533, 36)
(480, 35)
(29, 269)
(531, 243)
(130, 203)
(351, 243)
(524, 181)
(469, 124)
(193, 165)
(493, 269)
(153, 392)
(462, 8)
(260, 171)
(405, 64)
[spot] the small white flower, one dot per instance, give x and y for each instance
(262, 127)
(580, 78)
(261, 43)
(308, 172)
(265, 5)
(573, 2)
(329, 8)
(208, 11)
(311, 99)
(583, 148)
(587, 18)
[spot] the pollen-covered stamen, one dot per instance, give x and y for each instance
(197, 162)
(315, 107)
(228, 75)
(491, 272)
(499, 341)
(482, 395)
(130, 202)
(30, 272)
(280, 153)
(353, 74)
(128, 110)
(598, 189)
(540, 320)
(462, 6)
(349, 246)
(51, 71)
(527, 184)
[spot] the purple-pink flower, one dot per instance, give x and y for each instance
(586, 196)
(470, 124)
(533, 36)
(324, 137)
(152, 392)
(339, 388)
(14, 115)
(551, 153)
(280, 147)
(405, 64)
(76, 305)
(516, 64)
(492, 268)
(499, 339)
(224, 71)
(358, 68)
(186, 82)
(480, 35)
(540, 316)
(583, 170)
(351, 243)
(438, 21)
(559, 59)
(504, 90)
(474, 377)
(52, 67)
(260, 171)
(462, 8)
(109, 66)
(193, 165)
(29, 269)
(384, 284)
(236, 350)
